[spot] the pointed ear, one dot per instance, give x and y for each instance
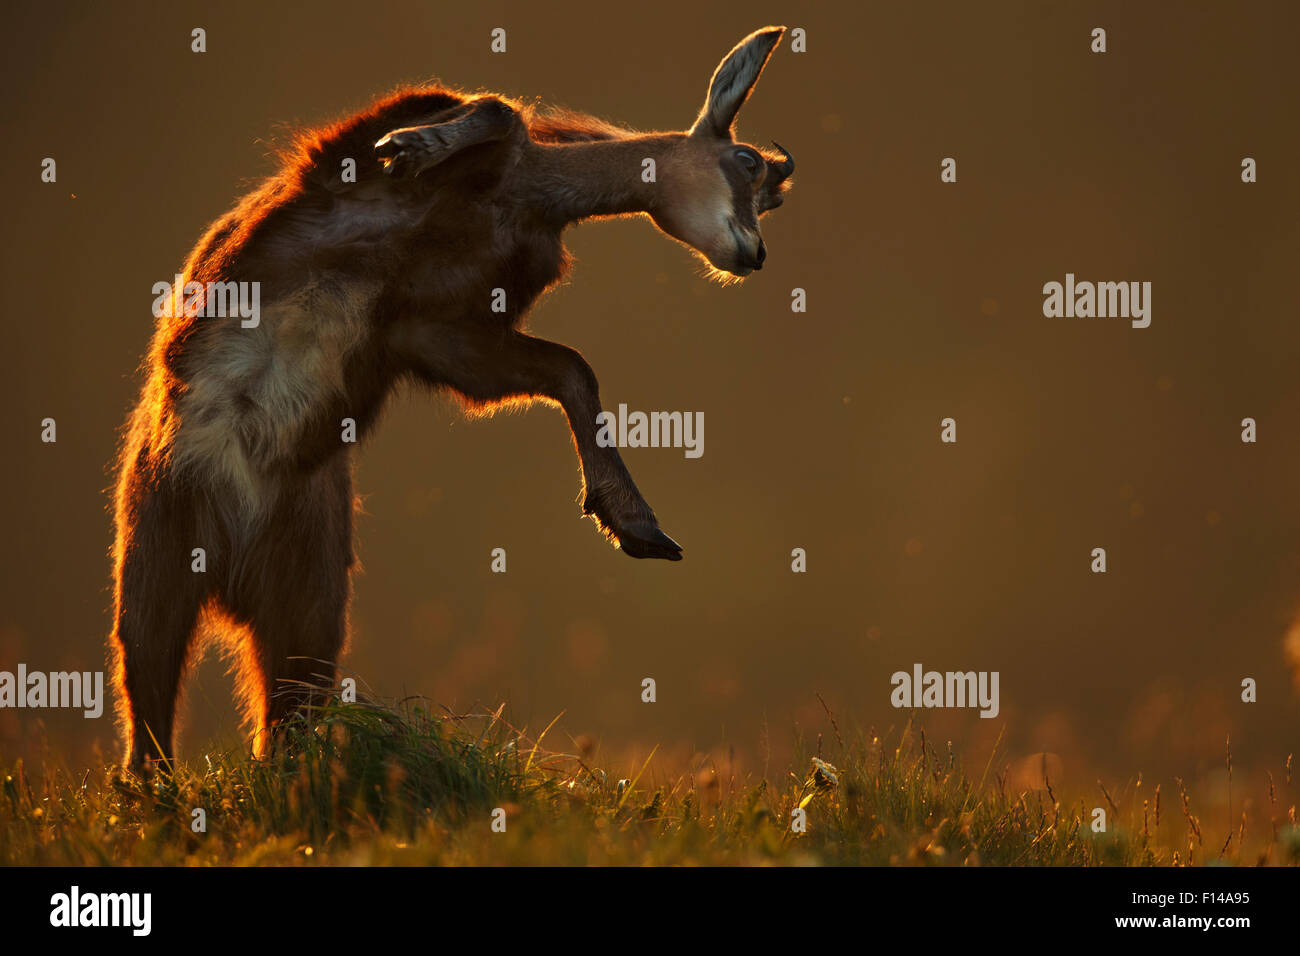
(732, 81)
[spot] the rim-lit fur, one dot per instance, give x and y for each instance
(236, 446)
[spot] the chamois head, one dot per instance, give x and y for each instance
(718, 187)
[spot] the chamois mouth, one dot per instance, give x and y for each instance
(746, 261)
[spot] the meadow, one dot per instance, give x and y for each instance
(402, 784)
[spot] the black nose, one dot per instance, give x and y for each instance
(762, 254)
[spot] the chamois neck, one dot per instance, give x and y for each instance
(570, 182)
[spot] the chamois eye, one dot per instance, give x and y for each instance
(748, 162)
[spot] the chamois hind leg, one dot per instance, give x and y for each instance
(290, 589)
(408, 152)
(157, 597)
(488, 366)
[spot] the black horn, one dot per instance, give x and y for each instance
(786, 166)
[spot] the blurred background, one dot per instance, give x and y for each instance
(822, 429)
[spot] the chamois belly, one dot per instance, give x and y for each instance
(256, 398)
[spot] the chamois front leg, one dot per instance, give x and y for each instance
(489, 366)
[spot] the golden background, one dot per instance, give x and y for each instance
(822, 429)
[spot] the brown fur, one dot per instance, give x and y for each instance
(235, 446)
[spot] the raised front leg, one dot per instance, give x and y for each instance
(490, 366)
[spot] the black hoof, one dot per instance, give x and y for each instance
(649, 542)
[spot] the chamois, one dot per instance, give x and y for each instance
(236, 446)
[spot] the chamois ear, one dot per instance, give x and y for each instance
(732, 81)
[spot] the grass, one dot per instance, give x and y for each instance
(372, 784)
